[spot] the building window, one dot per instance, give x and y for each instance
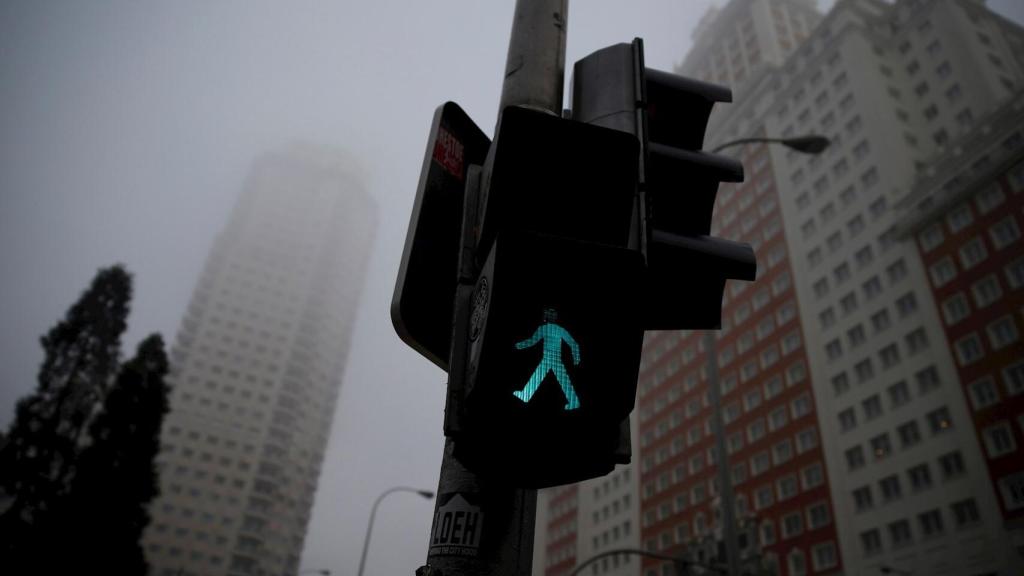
(899, 394)
(864, 370)
(916, 341)
(906, 304)
(942, 272)
(991, 198)
(965, 513)
(952, 465)
(855, 458)
(847, 420)
(1002, 332)
(909, 434)
(880, 320)
(872, 288)
(930, 523)
(983, 393)
(840, 384)
(1011, 487)
(890, 487)
(890, 356)
(863, 499)
(1013, 379)
(955, 309)
(880, 446)
(896, 271)
(899, 532)
(973, 253)
(939, 420)
(787, 487)
(792, 525)
(1004, 232)
(920, 477)
(959, 218)
(871, 542)
(968, 349)
(848, 303)
(818, 516)
(834, 349)
(927, 380)
(999, 439)
(930, 238)
(824, 556)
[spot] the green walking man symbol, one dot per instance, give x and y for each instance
(553, 336)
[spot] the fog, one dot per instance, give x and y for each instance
(127, 128)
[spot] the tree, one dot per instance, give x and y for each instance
(81, 356)
(100, 522)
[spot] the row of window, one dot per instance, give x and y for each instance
(984, 392)
(612, 482)
(613, 535)
(960, 217)
(930, 524)
(880, 446)
(984, 293)
(1001, 332)
(974, 251)
(890, 488)
(915, 341)
(612, 509)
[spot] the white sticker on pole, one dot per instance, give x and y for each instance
(457, 527)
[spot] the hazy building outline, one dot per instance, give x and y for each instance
(257, 368)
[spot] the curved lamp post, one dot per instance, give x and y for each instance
(373, 512)
(810, 144)
(680, 564)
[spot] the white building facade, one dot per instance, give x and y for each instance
(256, 371)
(890, 84)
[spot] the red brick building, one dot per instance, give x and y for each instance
(968, 216)
(772, 435)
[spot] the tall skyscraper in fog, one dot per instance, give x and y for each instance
(257, 367)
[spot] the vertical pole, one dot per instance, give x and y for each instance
(535, 67)
(502, 517)
(725, 493)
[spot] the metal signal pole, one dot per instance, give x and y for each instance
(481, 526)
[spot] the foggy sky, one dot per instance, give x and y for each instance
(126, 129)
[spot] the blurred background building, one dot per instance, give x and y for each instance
(871, 378)
(257, 366)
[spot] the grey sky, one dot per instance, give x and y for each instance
(126, 129)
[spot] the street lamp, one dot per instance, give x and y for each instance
(681, 565)
(373, 512)
(811, 144)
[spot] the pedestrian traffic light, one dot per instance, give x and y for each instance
(686, 267)
(554, 354)
(555, 333)
(576, 235)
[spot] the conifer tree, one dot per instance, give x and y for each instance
(80, 359)
(98, 526)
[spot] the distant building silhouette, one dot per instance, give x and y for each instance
(256, 370)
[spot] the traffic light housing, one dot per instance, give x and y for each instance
(554, 353)
(686, 267)
(575, 236)
(554, 334)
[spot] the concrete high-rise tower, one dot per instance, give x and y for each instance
(256, 370)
